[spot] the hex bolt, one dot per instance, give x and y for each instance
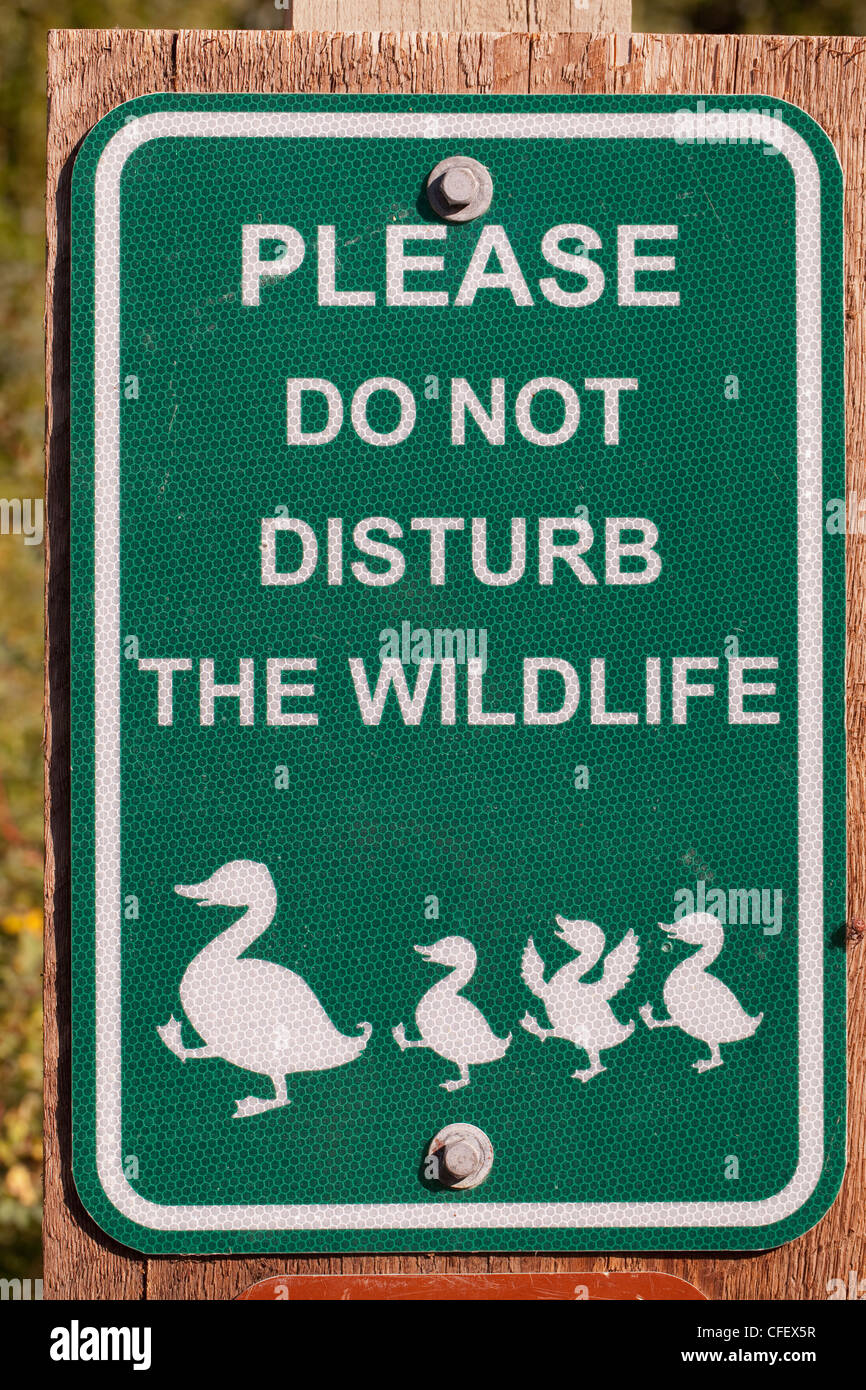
(459, 186)
(463, 1156)
(459, 189)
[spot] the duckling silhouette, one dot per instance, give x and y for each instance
(449, 1024)
(579, 1012)
(253, 1013)
(697, 1002)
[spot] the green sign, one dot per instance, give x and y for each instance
(457, 679)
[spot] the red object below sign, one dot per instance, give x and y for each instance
(580, 1287)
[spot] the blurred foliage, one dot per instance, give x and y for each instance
(20, 1090)
(23, 25)
(748, 16)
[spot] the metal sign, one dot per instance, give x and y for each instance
(458, 582)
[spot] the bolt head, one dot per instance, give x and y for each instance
(462, 1159)
(459, 187)
(463, 1154)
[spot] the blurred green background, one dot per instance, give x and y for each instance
(23, 25)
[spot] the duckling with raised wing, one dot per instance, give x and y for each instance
(578, 1011)
(696, 1001)
(449, 1024)
(253, 1013)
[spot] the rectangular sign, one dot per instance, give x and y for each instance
(457, 679)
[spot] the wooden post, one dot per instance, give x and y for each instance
(89, 72)
(465, 16)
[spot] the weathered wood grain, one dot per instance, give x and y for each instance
(463, 16)
(89, 72)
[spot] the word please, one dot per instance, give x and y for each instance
(552, 691)
(493, 265)
(560, 543)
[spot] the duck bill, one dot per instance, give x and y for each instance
(423, 951)
(193, 890)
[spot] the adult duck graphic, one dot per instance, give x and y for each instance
(257, 1015)
(578, 1011)
(696, 1001)
(449, 1024)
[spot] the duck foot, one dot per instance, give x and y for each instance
(707, 1064)
(595, 1070)
(255, 1105)
(399, 1036)
(646, 1013)
(454, 1085)
(534, 1027)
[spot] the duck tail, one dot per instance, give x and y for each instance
(365, 1029)
(532, 969)
(757, 1021)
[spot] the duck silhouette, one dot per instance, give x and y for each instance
(578, 1011)
(696, 1001)
(253, 1013)
(450, 1025)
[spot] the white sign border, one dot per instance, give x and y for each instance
(686, 126)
